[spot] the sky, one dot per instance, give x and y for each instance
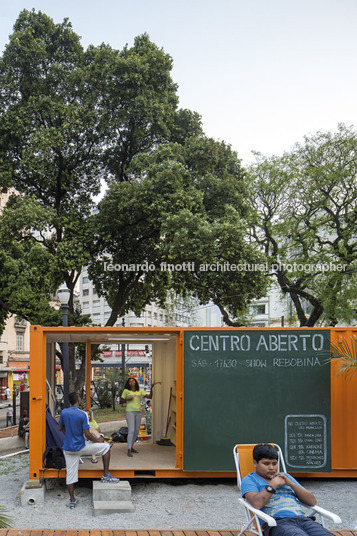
(261, 73)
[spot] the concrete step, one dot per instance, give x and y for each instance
(105, 491)
(9, 444)
(112, 507)
(32, 493)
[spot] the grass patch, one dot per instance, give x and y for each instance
(107, 414)
(10, 466)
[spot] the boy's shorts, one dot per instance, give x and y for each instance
(72, 458)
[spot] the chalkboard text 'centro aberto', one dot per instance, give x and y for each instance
(280, 342)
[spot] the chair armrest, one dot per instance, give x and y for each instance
(326, 513)
(265, 517)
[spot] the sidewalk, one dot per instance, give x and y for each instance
(7, 403)
(9, 431)
(140, 532)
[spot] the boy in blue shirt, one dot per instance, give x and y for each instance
(279, 495)
(75, 423)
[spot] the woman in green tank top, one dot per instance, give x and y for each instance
(132, 394)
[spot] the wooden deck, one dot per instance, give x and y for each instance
(108, 532)
(98, 532)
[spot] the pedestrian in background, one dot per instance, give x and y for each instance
(9, 416)
(24, 429)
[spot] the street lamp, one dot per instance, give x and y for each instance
(63, 296)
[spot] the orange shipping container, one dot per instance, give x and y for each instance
(215, 388)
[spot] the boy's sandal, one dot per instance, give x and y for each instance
(95, 460)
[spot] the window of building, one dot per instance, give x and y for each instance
(85, 280)
(96, 306)
(85, 292)
(96, 320)
(19, 341)
(1, 358)
(260, 310)
(85, 304)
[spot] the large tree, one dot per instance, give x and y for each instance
(138, 104)
(25, 288)
(71, 117)
(50, 141)
(214, 235)
(181, 209)
(306, 201)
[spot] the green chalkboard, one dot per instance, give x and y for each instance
(251, 386)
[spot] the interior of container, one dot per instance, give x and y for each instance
(153, 453)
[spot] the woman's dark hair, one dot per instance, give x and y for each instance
(127, 384)
(265, 450)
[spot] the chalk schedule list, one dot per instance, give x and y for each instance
(306, 441)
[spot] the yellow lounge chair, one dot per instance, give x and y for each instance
(243, 458)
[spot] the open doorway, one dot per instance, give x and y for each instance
(153, 453)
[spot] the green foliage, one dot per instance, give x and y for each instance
(128, 229)
(25, 286)
(116, 381)
(344, 355)
(306, 221)
(103, 394)
(109, 388)
(50, 153)
(182, 204)
(70, 117)
(5, 520)
(212, 233)
(107, 414)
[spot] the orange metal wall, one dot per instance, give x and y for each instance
(343, 408)
(343, 412)
(37, 400)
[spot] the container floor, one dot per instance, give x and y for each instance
(150, 457)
